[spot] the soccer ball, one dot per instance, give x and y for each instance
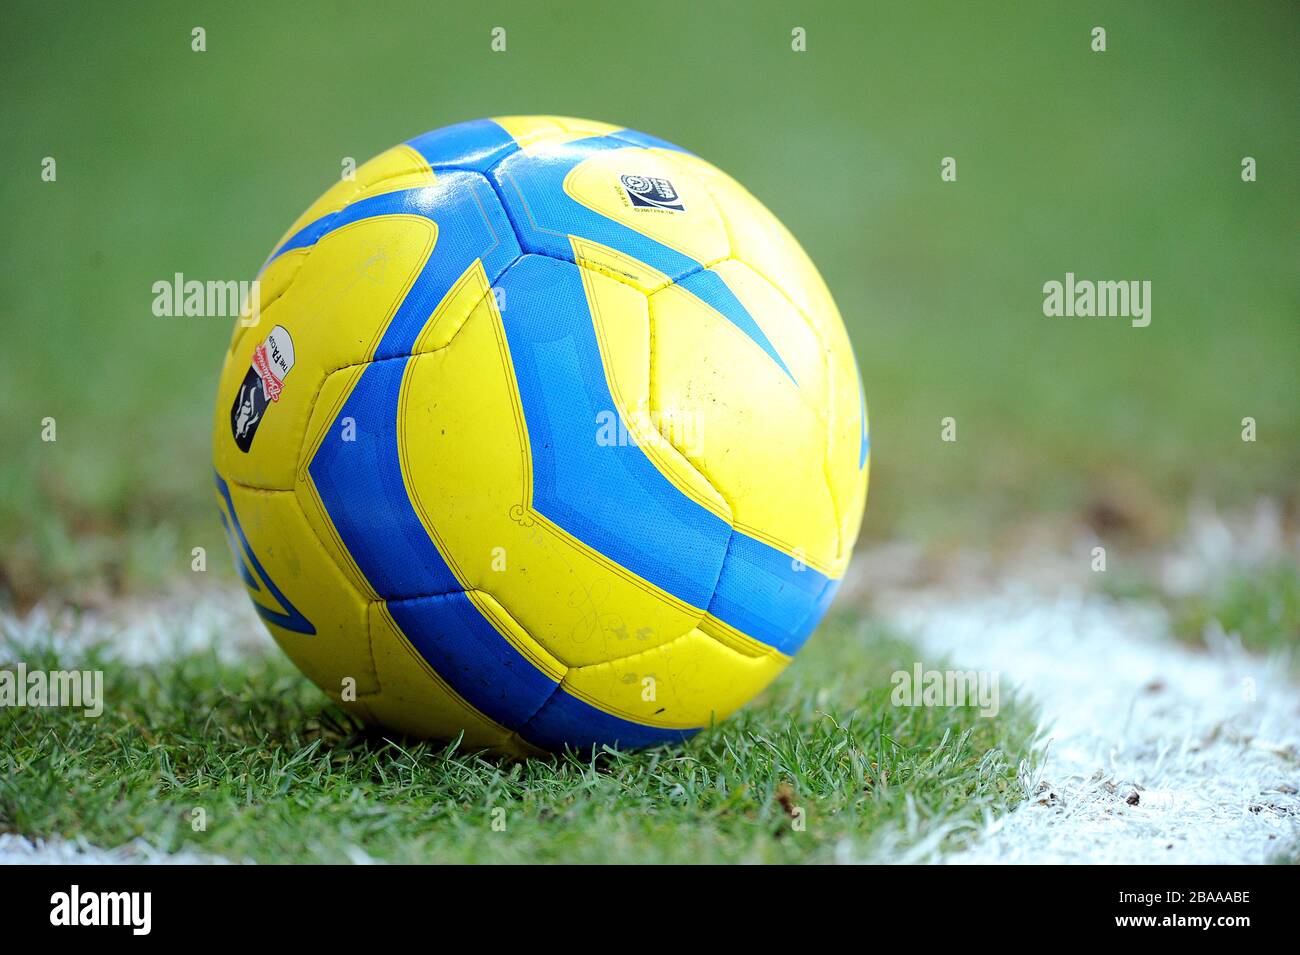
(544, 432)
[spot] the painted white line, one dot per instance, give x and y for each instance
(17, 850)
(140, 632)
(136, 632)
(1158, 753)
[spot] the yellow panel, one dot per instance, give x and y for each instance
(763, 446)
(454, 310)
(762, 242)
(828, 380)
(395, 169)
(530, 649)
(335, 311)
(621, 317)
(416, 700)
(528, 131)
(617, 265)
(847, 413)
(293, 559)
(678, 685)
(273, 282)
(791, 335)
(461, 299)
(697, 231)
(468, 470)
(329, 400)
(585, 127)
(853, 506)
(847, 480)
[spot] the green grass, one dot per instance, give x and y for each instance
(1260, 606)
(1116, 165)
(284, 776)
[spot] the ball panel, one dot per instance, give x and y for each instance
(272, 282)
(325, 421)
(765, 595)
(485, 660)
(618, 548)
(535, 132)
(792, 337)
(396, 169)
(647, 191)
(761, 443)
(633, 212)
(569, 722)
(331, 314)
(474, 145)
(306, 603)
(848, 460)
(415, 699)
(532, 186)
(609, 496)
(469, 462)
(762, 242)
(759, 239)
(353, 466)
(483, 655)
(679, 685)
(356, 473)
(620, 316)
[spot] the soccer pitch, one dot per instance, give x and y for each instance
(1067, 273)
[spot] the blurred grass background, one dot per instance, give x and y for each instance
(1115, 165)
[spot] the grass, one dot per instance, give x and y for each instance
(1260, 606)
(1121, 165)
(282, 776)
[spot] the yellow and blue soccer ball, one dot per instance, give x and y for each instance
(547, 433)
